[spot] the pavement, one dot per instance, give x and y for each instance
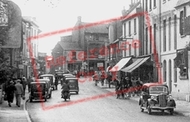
(182, 107)
(14, 113)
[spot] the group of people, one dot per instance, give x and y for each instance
(125, 85)
(15, 87)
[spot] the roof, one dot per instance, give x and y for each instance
(181, 2)
(47, 75)
(154, 84)
(132, 7)
(73, 78)
(96, 28)
(30, 20)
(69, 45)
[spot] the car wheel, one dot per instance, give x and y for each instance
(171, 111)
(77, 92)
(142, 110)
(149, 110)
(65, 99)
(50, 95)
(162, 112)
(31, 100)
(45, 99)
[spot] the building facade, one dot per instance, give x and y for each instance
(30, 48)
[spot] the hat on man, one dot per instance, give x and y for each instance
(18, 80)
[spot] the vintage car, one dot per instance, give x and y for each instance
(73, 83)
(51, 77)
(38, 91)
(156, 96)
(66, 75)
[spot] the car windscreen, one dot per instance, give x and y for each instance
(37, 87)
(158, 89)
(72, 81)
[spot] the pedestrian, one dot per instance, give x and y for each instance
(19, 92)
(56, 81)
(10, 92)
(28, 82)
(24, 83)
(117, 87)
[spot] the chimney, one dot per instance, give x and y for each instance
(79, 18)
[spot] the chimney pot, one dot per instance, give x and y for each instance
(79, 18)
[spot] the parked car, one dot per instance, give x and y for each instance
(38, 90)
(156, 97)
(51, 77)
(73, 83)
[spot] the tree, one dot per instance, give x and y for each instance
(5, 69)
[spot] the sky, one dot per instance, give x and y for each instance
(53, 15)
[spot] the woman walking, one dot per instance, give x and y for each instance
(10, 92)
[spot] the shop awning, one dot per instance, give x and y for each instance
(135, 65)
(120, 64)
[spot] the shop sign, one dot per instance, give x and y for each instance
(99, 64)
(21, 66)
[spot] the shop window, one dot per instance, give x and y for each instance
(181, 62)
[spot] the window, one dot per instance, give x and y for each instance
(164, 35)
(169, 33)
(175, 75)
(150, 5)
(154, 33)
(129, 28)
(175, 32)
(124, 30)
(151, 39)
(135, 26)
(146, 41)
(129, 49)
(154, 3)
(165, 70)
(146, 5)
(135, 49)
(181, 22)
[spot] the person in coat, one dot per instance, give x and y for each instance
(10, 92)
(19, 92)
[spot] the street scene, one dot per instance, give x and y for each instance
(78, 61)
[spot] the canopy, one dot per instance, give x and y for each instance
(120, 64)
(135, 64)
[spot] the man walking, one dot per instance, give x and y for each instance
(19, 92)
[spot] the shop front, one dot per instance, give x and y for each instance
(142, 67)
(115, 70)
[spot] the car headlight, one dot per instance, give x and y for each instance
(170, 97)
(153, 97)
